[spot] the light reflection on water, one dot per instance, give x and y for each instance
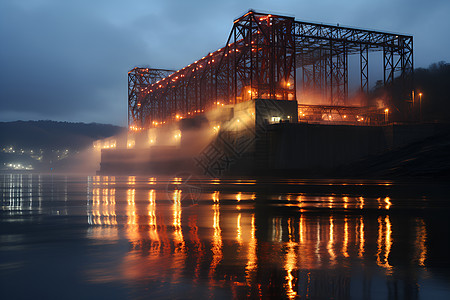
(242, 238)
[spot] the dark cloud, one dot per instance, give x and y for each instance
(68, 60)
(65, 65)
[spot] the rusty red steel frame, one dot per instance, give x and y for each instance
(264, 56)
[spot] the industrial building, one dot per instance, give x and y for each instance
(275, 98)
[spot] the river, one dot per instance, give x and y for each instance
(86, 237)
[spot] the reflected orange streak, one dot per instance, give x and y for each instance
(387, 200)
(317, 248)
(238, 230)
(96, 219)
(113, 202)
(104, 213)
(330, 245)
(330, 202)
(301, 229)
(384, 239)
(290, 264)
(215, 196)
(421, 238)
(132, 228)
(361, 237)
(389, 240)
(345, 244)
(361, 202)
(238, 196)
(103, 202)
(277, 230)
(109, 207)
(180, 247)
(251, 266)
(104, 210)
(300, 201)
(379, 241)
(217, 242)
(178, 233)
(153, 226)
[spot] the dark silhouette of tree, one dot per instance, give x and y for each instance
(434, 104)
(53, 135)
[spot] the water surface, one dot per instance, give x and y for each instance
(185, 237)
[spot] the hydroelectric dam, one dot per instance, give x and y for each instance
(274, 100)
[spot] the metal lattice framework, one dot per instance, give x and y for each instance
(260, 60)
(139, 81)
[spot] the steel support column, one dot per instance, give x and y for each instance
(364, 67)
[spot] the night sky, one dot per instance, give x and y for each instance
(68, 60)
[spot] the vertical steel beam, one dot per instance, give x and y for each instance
(388, 65)
(364, 67)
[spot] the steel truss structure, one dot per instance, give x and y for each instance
(260, 60)
(139, 81)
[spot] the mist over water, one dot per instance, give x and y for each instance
(188, 237)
